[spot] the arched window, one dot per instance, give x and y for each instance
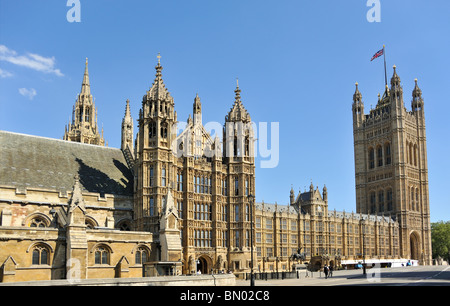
(124, 226)
(164, 130)
(417, 199)
(102, 255)
(247, 146)
(387, 153)
(163, 176)
(412, 199)
(86, 114)
(381, 201)
(151, 207)
(90, 224)
(373, 207)
(371, 158)
(379, 156)
(410, 154)
(38, 222)
(40, 255)
(152, 129)
(141, 256)
(415, 155)
(389, 200)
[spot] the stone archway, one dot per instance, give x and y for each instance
(414, 244)
(204, 264)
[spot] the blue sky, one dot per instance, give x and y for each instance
(297, 63)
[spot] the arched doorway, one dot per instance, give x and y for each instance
(203, 265)
(414, 244)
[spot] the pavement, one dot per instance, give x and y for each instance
(402, 276)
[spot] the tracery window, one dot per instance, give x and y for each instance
(40, 255)
(101, 256)
(141, 256)
(38, 222)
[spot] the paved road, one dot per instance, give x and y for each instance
(404, 276)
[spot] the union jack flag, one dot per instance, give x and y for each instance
(378, 54)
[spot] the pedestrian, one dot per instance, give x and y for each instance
(331, 271)
(325, 271)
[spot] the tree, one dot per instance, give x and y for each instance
(440, 240)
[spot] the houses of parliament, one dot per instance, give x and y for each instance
(169, 203)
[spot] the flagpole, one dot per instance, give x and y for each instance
(385, 73)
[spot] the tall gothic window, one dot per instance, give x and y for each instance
(180, 182)
(387, 153)
(389, 199)
(373, 203)
(224, 187)
(163, 176)
(371, 158)
(151, 176)
(417, 199)
(86, 114)
(236, 186)
(381, 201)
(380, 156)
(151, 207)
(164, 130)
(247, 146)
(246, 187)
(415, 155)
(236, 239)
(152, 129)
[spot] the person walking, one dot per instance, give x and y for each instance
(330, 273)
(325, 271)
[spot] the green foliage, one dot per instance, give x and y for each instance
(440, 240)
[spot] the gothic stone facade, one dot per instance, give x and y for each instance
(391, 168)
(178, 203)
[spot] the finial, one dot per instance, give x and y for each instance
(237, 82)
(159, 58)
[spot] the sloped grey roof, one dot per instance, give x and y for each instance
(32, 161)
(279, 208)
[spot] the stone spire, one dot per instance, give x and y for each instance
(83, 127)
(197, 110)
(158, 89)
(417, 101)
(357, 96)
(127, 129)
(85, 86)
(238, 111)
(395, 80)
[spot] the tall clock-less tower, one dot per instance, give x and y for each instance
(391, 169)
(154, 161)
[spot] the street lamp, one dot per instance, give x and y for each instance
(364, 249)
(251, 199)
